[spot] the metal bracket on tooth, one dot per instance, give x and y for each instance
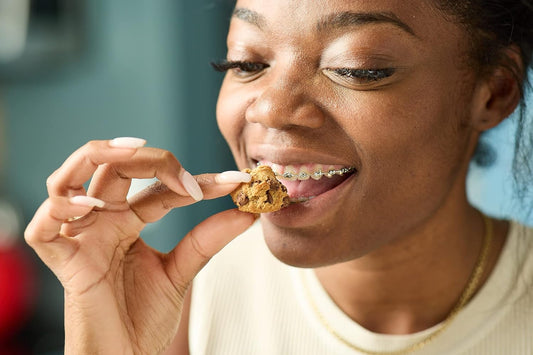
(316, 175)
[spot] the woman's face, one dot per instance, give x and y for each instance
(378, 87)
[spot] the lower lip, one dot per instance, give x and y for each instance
(309, 213)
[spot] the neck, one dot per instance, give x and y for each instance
(413, 283)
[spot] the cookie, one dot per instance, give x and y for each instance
(264, 193)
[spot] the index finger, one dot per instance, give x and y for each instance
(81, 165)
(155, 201)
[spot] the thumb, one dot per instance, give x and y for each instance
(204, 241)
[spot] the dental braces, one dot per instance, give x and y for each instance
(315, 175)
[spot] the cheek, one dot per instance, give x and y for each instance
(230, 118)
(421, 125)
(410, 141)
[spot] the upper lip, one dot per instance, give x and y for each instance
(294, 155)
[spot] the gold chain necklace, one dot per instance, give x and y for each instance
(466, 295)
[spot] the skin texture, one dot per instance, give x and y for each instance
(393, 245)
(411, 137)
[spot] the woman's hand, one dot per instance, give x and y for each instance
(121, 296)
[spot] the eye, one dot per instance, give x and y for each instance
(358, 77)
(242, 69)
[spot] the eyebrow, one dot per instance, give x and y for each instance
(349, 19)
(249, 16)
(333, 21)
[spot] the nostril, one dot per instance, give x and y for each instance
(283, 109)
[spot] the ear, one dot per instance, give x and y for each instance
(497, 94)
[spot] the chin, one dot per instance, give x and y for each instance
(306, 248)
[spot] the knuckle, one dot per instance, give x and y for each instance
(167, 157)
(88, 151)
(141, 219)
(181, 282)
(50, 209)
(113, 170)
(88, 160)
(197, 247)
(91, 145)
(166, 205)
(166, 162)
(50, 180)
(29, 236)
(171, 158)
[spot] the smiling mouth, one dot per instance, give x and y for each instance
(307, 181)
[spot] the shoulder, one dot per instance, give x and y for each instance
(520, 242)
(504, 307)
(519, 249)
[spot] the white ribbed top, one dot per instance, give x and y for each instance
(247, 302)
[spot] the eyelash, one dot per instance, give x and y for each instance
(363, 76)
(368, 75)
(241, 66)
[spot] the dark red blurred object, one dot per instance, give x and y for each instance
(17, 289)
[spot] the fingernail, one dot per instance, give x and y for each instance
(87, 201)
(232, 177)
(191, 186)
(127, 142)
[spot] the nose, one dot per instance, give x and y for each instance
(286, 101)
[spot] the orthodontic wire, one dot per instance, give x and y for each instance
(316, 175)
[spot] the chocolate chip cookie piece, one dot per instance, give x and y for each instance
(264, 193)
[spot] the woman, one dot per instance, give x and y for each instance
(390, 258)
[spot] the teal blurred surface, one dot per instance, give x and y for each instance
(143, 71)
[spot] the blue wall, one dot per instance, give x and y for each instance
(144, 71)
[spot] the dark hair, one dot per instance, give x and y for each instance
(494, 27)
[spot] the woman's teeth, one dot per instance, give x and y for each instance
(301, 199)
(304, 181)
(306, 172)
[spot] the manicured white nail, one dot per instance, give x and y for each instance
(87, 201)
(192, 186)
(127, 142)
(232, 177)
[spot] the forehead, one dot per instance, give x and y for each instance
(417, 17)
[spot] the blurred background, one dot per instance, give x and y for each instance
(75, 70)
